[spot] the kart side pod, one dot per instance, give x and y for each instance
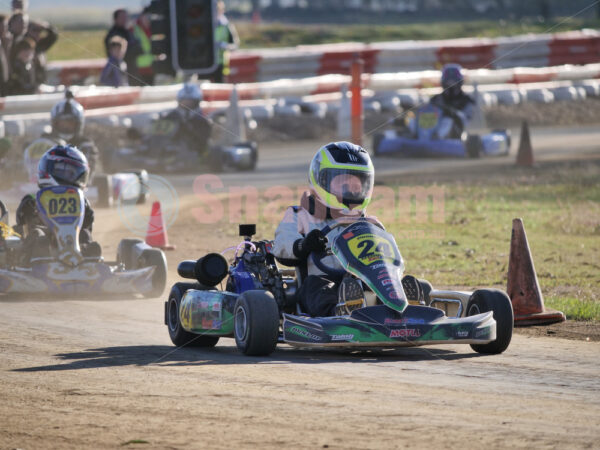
(209, 270)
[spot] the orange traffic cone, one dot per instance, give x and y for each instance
(525, 152)
(523, 286)
(157, 232)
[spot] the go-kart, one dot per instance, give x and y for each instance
(60, 269)
(259, 307)
(159, 150)
(420, 137)
(126, 186)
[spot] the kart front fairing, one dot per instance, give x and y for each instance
(371, 254)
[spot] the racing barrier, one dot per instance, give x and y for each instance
(93, 97)
(318, 105)
(531, 50)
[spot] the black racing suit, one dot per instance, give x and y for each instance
(459, 108)
(194, 128)
(35, 232)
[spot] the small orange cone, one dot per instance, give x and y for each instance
(523, 286)
(157, 232)
(525, 152)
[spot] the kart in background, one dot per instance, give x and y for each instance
(419, 138)
(158, 150)
(63, 270)
(259, 308)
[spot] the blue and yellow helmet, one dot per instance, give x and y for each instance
(342, 176)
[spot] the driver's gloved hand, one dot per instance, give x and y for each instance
(315, 241)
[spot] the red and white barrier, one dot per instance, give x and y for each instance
(104, 97)
(248, 66)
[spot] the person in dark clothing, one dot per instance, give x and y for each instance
(45, 36)
(120, 28)
(456, 105)
(64, 166)
(194, 128)
(115, 71)
(22, 78)
(4, 48)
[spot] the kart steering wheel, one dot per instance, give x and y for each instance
(317, 258)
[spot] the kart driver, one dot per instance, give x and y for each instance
(457, 106)
(67, 120)
(194, 128)
(64, 166)
(341, 177)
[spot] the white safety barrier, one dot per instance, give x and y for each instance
(318, 105)
(105, 97)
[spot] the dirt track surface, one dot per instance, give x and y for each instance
(101, 374)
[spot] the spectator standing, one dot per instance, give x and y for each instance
(4, 46)
(22, 80)
(142, 33)
(17, 26)
(45, 36)
(120, 28)
(115, 71)
(227, 39)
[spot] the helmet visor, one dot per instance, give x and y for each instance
(68, 172)
(350, 187)
(67, 125)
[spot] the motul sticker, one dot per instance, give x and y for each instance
(405, 332)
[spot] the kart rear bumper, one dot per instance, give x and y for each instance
(87, 279)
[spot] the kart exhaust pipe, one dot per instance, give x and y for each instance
(209, 270)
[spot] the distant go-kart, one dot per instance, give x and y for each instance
(104, 190)
(160, 151)
(421, 139)
(63, 270)
(259, 308)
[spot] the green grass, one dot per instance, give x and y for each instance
(471, 248)
(75, 43)
(78, 44)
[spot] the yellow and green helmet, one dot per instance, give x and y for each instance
(342, 175)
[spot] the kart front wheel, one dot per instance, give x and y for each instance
(484, 300)
(178, 335)
(256, 323)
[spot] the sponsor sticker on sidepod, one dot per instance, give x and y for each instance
(342, 337)
(405, 332)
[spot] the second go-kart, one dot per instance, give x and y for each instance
(160, 151)
(420, 138)
(61, 269)
(258, 306)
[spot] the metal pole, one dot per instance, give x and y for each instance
(357, 106)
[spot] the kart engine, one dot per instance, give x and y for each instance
(256, 269)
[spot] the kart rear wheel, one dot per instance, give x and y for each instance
(256, 323)
(484, 300)
(103, 184)
(376, 141)
(155, 257)
(474, 146)
(125, 252)
(178, 335)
